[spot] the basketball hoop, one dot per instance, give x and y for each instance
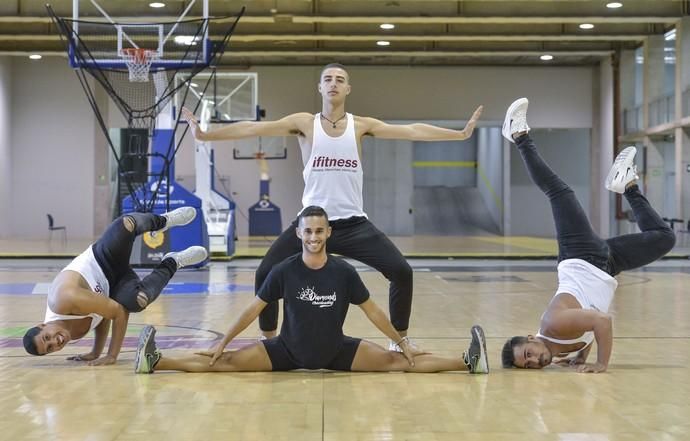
(138, 62)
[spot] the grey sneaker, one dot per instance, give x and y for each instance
(148, 354)
(475, 357)
(177, 217)
(623, 171)
(191, 256)
(516, 119)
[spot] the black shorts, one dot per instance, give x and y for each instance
(281, 360)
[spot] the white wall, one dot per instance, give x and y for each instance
(389, 185)
(567, 152)
(52, 150)
(490, 153)
(5, 145)
(53, 137)
(602, 203)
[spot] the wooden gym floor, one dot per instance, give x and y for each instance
(642, 397)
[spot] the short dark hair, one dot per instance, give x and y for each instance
(29, 342)
(312, 211)
(333, 66)
(508, 355)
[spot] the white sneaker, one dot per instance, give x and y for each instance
(393, 347)
(623, 171)
(179, 216)
(516, 119)
(191, 256)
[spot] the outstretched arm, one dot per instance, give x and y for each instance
(290, 125)
(420, 131)
(381, 321)
(574, 321)
(250, 313)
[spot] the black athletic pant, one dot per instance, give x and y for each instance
(356, 238)
(577, 240)
(112, 252)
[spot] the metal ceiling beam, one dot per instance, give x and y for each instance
(376, 53)
(483, 20)
(415, 38)
(416, 54)
(404, 38)
(266, 19)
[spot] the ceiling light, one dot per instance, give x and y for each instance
(387, 26)
(157, 5)
(546, 57)
(35, 56)
(586, 26)
(193, 84)
(614, 5)
(188, 40)
(383, 43)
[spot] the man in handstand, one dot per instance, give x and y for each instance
(578, 313)
(99, 287)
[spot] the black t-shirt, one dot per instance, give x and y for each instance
(315, 304)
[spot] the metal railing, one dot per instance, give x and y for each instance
(632, 120)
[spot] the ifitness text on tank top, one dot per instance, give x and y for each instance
(333, 175)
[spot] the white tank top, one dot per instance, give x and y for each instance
(333, 174)
(592, 287)
(86, 265)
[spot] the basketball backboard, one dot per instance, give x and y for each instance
(228, 97)
(110, 37)
(233, 96)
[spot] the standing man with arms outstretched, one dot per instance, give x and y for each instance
(317, 290)
(330, 142)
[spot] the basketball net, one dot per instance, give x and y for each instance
(138, 62)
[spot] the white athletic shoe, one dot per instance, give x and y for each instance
(623, 171)
(393, 347)
(516, 119)
(179, 216)
(191, 256)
